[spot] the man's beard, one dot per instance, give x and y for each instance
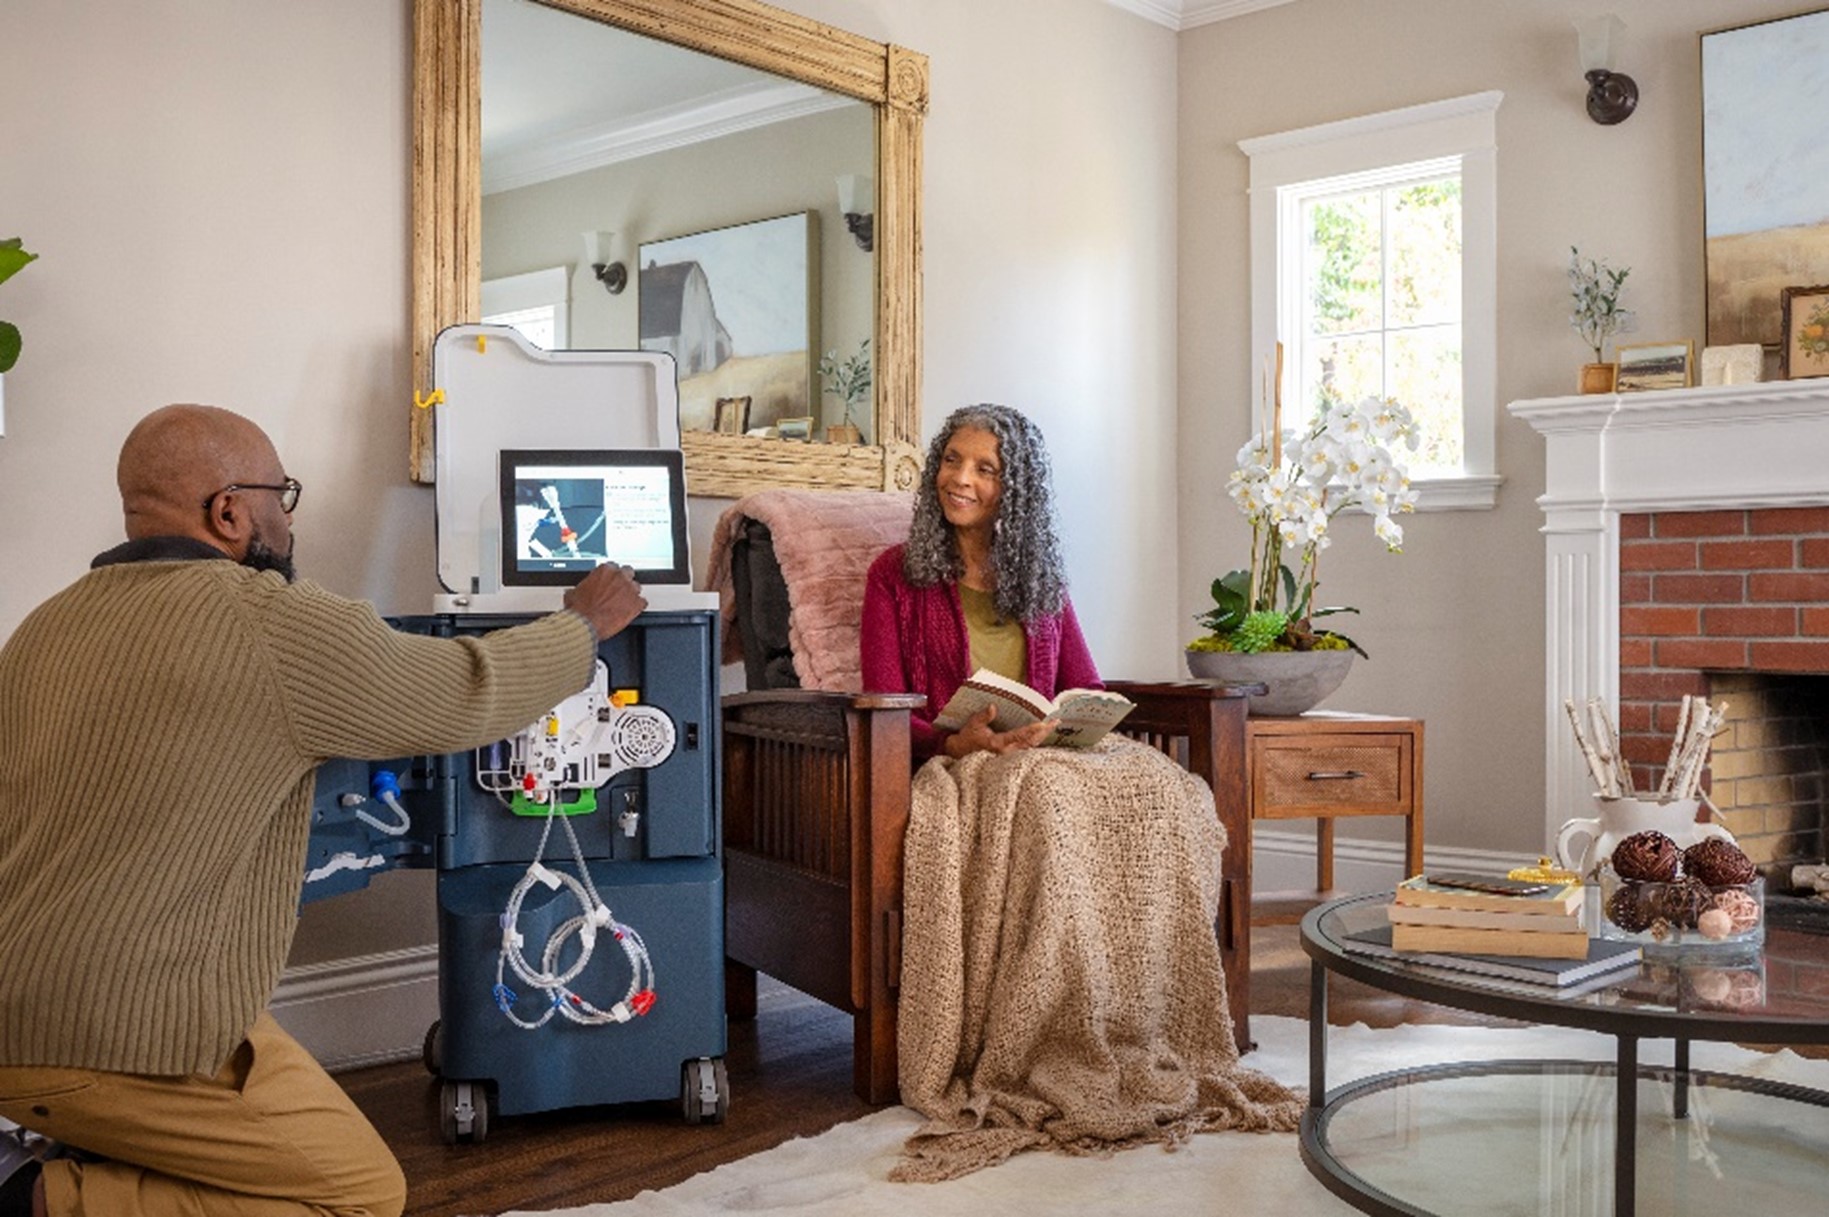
(261, 556)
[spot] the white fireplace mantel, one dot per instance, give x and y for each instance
(1737, 446)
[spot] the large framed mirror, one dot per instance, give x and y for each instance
(449, 227)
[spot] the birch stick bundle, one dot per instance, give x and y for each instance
(1598, 739)
(1697, 731)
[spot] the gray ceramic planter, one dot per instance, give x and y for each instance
(1298, 680)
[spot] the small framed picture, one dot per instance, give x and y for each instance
(732, 415)
(800, 429)
(1656, 365)
(1806, 333)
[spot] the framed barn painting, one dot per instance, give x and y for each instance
(737, 309)
(1764, 165)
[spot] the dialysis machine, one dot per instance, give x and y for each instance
(580, 884)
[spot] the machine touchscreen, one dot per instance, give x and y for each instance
(565, 512)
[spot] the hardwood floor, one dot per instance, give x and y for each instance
(790, 1076)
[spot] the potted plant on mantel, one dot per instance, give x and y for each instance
(1597, 316)
(848, 381)
(1291, 485)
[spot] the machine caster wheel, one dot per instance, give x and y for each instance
(463, 1112)
(433, 1051)
(704, 1091)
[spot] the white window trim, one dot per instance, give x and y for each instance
(1463, 127)
(535, 289)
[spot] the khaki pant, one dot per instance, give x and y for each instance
(269, 1135)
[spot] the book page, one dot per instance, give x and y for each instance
(1085, 715)
(1017, 705)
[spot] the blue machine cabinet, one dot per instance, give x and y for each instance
(651, 848)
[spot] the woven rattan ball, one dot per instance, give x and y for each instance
(1650, 857)
(1718, 863)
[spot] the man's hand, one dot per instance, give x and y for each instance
(608, 598)
(977, 736)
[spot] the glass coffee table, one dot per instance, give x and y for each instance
(1530, 1137)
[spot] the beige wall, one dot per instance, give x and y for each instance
(1454, 625)
(219, 192)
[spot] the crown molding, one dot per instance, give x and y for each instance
(1186, 14)
(593, 147)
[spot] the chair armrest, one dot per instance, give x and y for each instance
(1184, 690)
(819, 697)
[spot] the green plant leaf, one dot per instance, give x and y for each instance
(9, 346)
(1289, 589)
(1229, 607)
(13, 258)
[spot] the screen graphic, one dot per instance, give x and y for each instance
(564, 513)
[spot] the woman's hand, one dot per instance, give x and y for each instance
(977, 736)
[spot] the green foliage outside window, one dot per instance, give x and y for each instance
(1384, 272)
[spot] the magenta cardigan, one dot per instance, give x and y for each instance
(913, 640)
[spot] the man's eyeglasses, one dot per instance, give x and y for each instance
(288, 492)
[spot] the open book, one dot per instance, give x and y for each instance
(1082, 716)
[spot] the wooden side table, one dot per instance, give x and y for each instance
(1323, 765)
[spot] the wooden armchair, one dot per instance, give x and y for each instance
(816, 799)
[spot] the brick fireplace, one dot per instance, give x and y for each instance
(1686, 541)
(1733, 606)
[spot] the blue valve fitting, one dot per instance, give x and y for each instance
(383, 782)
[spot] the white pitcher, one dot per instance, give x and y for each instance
(1584, 843)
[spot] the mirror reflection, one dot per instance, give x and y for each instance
(640, 195)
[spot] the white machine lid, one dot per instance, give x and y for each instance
(501, 392)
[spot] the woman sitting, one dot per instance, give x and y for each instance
(1061, 983)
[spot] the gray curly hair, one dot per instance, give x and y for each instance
(1025, 549)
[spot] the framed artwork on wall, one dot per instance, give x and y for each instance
(1656, 365)
(737, 308)
(1806, 333)
(1764, 163)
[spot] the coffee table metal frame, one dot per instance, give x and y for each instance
(1479, 995)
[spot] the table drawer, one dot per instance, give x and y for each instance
(1357, 774)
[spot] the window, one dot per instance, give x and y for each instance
(1374, 263)
(535, 303)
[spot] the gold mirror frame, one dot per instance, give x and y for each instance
(447, 215)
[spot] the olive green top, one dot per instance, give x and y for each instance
(996, 644)
(160, 725)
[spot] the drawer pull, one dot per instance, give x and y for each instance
(1335, 775)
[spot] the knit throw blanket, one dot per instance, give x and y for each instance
(1061, 985)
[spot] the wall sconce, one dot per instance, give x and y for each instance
(1611, 95)
(600, 255)
(857, 203)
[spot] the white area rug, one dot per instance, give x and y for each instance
(843, 1172)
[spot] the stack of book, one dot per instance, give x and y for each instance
(1481, 915)
(1509, 929)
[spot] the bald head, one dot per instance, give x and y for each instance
(176, 458)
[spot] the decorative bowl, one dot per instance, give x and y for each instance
(1297, 680)
(1681, 915)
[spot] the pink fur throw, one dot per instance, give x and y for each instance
(825, 541)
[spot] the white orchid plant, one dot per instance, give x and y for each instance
(1291, 486)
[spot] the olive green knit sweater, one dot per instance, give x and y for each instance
(159, 726)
